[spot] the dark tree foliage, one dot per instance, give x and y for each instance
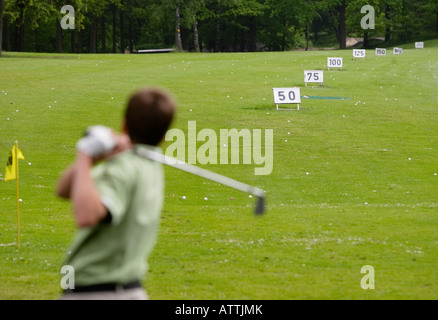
(121, 26)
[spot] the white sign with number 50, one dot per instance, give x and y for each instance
(287, 96)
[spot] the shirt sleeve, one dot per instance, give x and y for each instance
(113, 189)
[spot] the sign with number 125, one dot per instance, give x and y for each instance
(359, 53)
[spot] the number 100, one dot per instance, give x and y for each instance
(335, 62)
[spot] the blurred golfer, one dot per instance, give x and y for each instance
(117, 203)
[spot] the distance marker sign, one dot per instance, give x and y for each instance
(313, 76)
(335, 63)
(358, 54)
(380, 52)
(287, 96)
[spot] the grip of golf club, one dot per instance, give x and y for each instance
(260, 206)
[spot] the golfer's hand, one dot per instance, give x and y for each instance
(122, 143)
(97, 142)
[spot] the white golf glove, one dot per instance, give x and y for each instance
(98, 141)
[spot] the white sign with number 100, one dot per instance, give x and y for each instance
(334, 63)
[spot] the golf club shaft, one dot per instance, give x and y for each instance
(181, 165)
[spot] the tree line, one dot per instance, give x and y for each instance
(105, 26)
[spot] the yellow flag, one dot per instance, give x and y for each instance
(12, 165)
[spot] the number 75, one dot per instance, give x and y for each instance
(315, 76)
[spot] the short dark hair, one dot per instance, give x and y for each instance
(148, 115)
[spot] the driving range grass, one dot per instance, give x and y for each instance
(354, 182)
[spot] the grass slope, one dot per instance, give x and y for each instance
(354, 182)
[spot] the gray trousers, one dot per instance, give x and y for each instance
(118, 294)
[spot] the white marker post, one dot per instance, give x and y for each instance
(380, 52)
(335, 63)
(287, 96)
(359, 53)
(398, 51)
(419, 45)
(314, 76)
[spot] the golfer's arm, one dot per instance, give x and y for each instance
(87, 204)
(63, 188)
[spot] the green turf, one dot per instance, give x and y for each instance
(354, 181)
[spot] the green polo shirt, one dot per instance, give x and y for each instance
(117, 249)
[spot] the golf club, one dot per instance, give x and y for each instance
(181, 165)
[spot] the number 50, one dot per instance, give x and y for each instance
(290, 95)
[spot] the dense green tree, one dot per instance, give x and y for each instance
(431, 7)
(210, 25)
(2, 5)
(307, 13)
(355, 17)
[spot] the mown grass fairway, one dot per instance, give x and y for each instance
(354, 181)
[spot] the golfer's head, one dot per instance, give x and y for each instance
(148, 115)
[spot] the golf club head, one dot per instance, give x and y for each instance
(260, 205)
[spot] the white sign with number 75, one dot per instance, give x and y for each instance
(314, 76)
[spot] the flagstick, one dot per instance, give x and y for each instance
(18, 201)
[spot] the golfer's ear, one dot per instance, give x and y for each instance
(125, 127)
